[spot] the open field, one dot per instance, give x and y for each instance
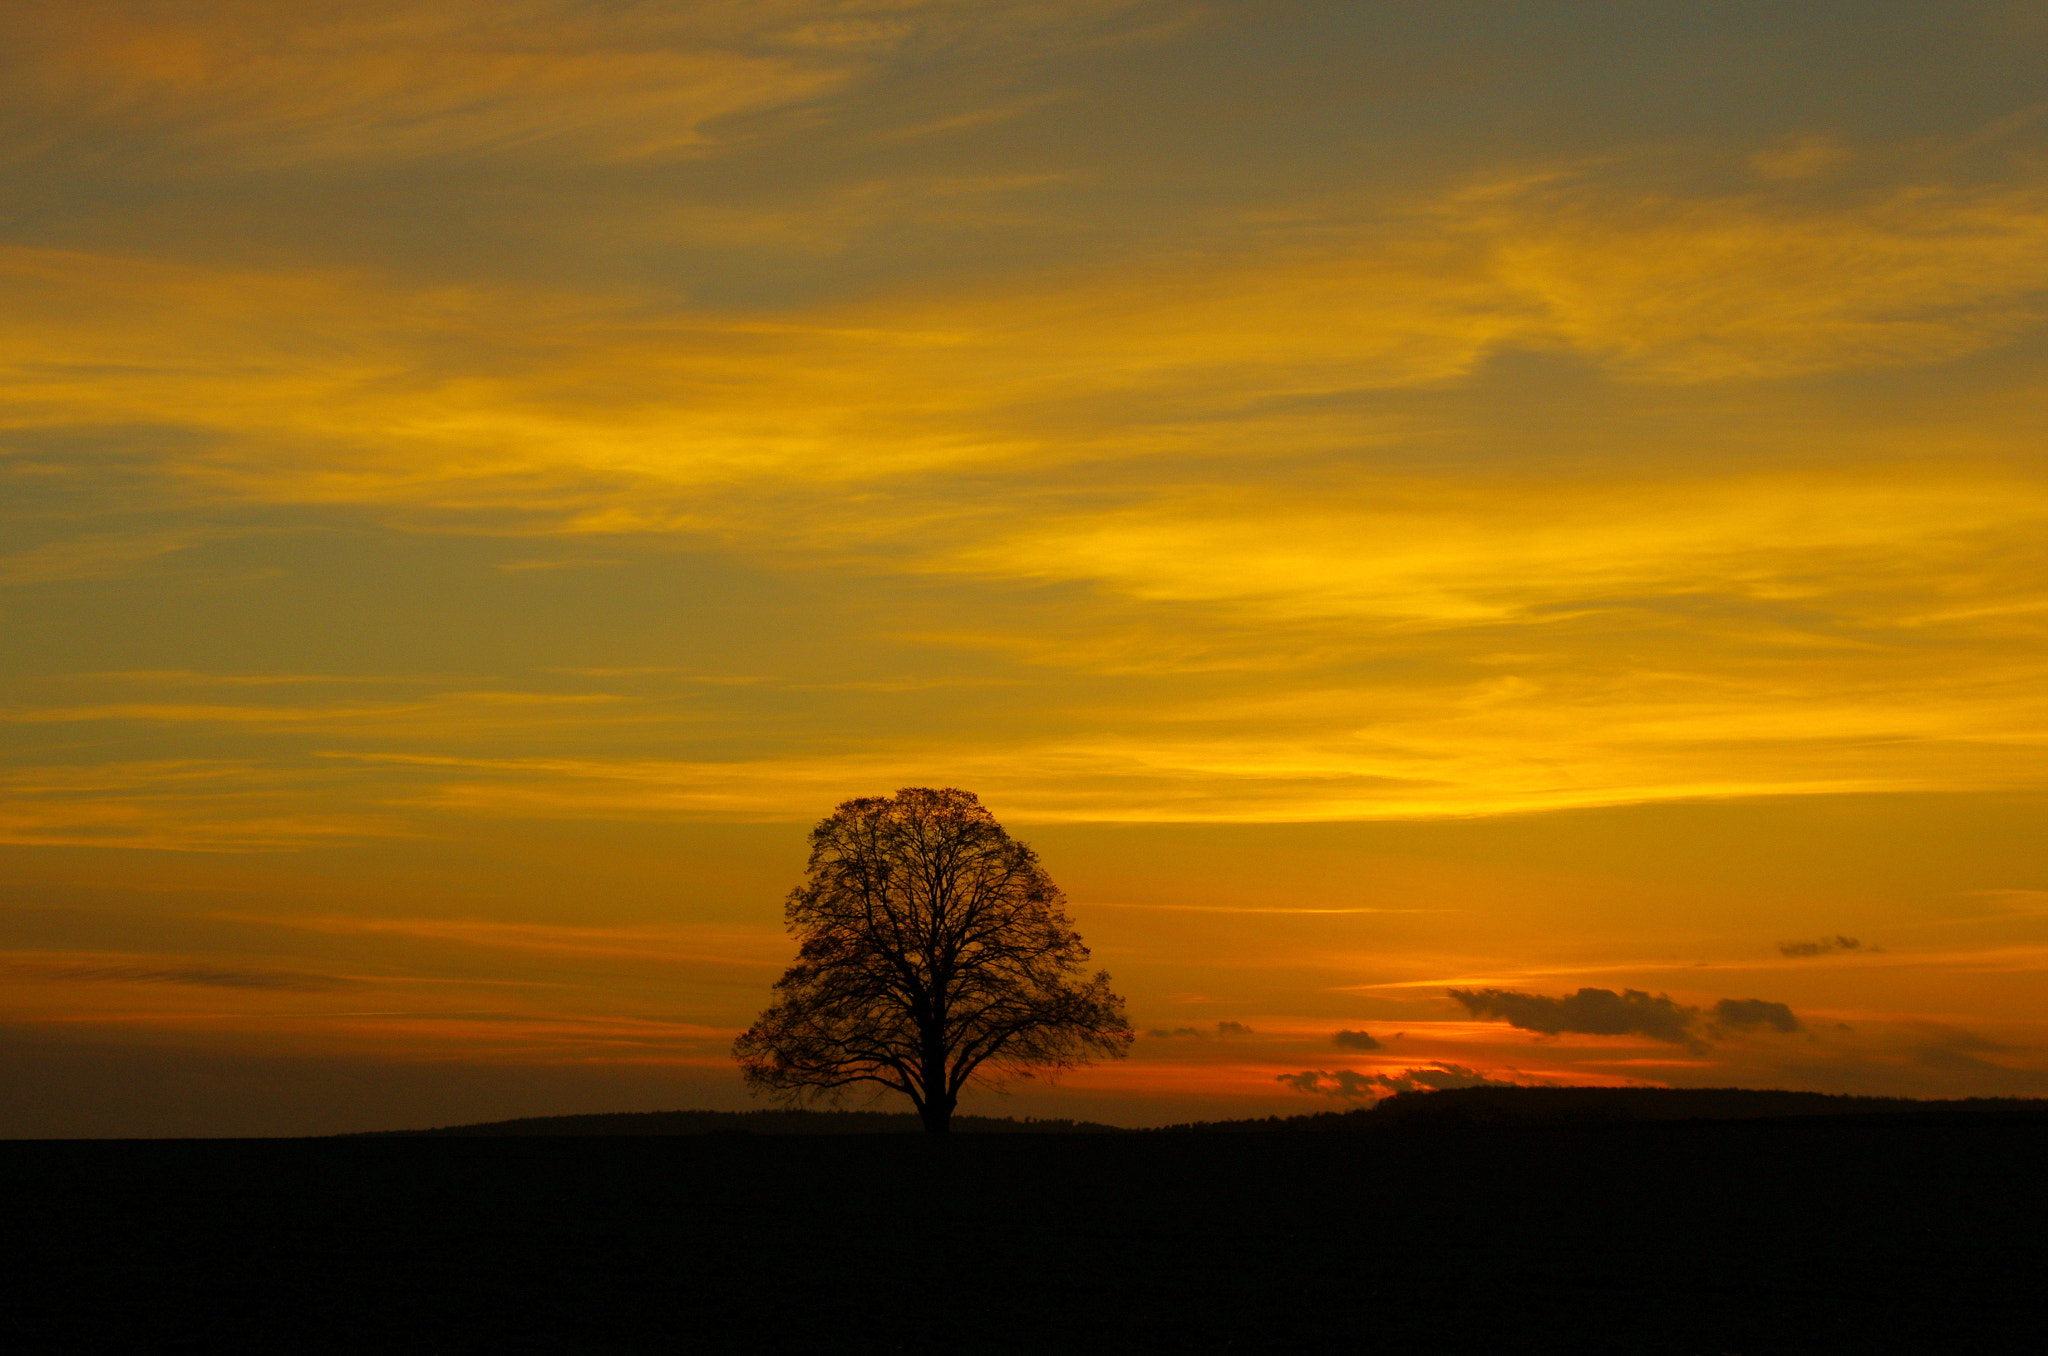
(1830, 1234)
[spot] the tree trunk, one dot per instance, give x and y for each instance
(937, 1112)
(938, 1103)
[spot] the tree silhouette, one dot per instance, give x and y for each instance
(934, 951)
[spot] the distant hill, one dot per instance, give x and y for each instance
(1450, 1109)
(767, 1122)
(1459, 1107)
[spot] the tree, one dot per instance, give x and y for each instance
(934, 951)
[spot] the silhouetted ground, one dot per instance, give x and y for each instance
(763, 1122)
(1458, 1107)
(1859, 1233)
(1472, 1108)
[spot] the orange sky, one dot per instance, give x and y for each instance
(1387, 498)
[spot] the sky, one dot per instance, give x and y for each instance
(1480, 541)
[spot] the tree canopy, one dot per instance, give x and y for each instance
(933, 952)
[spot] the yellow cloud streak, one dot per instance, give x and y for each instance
(1423, 553)
(187, 806)
(1562, 736)
(1417, 769)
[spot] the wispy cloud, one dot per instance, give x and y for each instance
(1821, 947)
(30, 967)
(244, 89)
(697, 943)
(94, 556)
(188, 805)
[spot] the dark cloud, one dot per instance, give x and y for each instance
(211, 977)
(1350, 1085)
(1589, 1012)
(204, 976)
(1956, 1051)
(1354, 1040)
(1603, 1012)
(1747, 1014)
(1822, 947)
(1951, 1060)
(1976, 1064)
(1223, 1031)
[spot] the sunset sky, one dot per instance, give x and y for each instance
(1389, 498)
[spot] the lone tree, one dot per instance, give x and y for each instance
(934, 952)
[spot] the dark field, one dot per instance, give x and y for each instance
(1830, 1234)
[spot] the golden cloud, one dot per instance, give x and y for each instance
(322, 386)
